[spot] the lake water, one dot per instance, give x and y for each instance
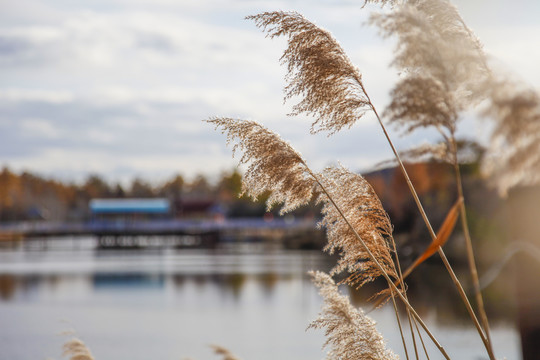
(172, 304)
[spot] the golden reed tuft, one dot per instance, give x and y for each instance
(318, 70)
(445, 72)
(513, 156)
(350, 333)
(440, 61)
(355, 200)
(353, 215)
(77, 350)
(272, 164)
(226, 353)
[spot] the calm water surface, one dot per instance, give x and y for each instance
(172, 303)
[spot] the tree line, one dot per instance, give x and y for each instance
(28, 196)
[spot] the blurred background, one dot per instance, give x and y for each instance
(119, 209)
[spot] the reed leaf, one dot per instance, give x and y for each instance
(442, 236)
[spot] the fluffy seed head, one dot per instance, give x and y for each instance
(77, 350)
(513, 156)
(350, 333)
(319, 72)
(272, 164)
(227, 355)
(441, 62)
(359, 203)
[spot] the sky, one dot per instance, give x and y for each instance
(119, 88)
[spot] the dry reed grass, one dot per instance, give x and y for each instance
(444, 73)
(350, 333)
(358, 202)
(513, 156)
(76, 349)
(441, 65)
(224, 352)
(318, 70)
(272, 164)
(351, 208)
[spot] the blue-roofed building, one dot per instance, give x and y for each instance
(130, 208)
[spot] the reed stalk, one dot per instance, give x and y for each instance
(455, 280)
(380, 267)
(421, 340)
(400, 328)
(273, 165)
(403, 288)
(453, 63)
(470, 252)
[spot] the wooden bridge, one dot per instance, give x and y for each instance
(184, 232)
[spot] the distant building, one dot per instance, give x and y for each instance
(130, 208)
(195, 207)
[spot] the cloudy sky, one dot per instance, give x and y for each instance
(119, 87)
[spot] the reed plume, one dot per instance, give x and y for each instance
(350, 333)
(441, 62)
(226, 353)
(446, 72)
(513, 155)
(353, 215)
(77, 350)
(318, 70)
(384, 2)
(272, 164)
(355, 200)
(349, 203)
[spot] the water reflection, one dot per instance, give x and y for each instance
(143, 281)
(437, 299)
(191, 298)
(268, 282)
(8, 286)
(432, 293)
(21, 287)
(25, 275)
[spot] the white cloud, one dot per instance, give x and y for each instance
(121, 87)
(49, 96)
(511, 47)
(39, 128)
